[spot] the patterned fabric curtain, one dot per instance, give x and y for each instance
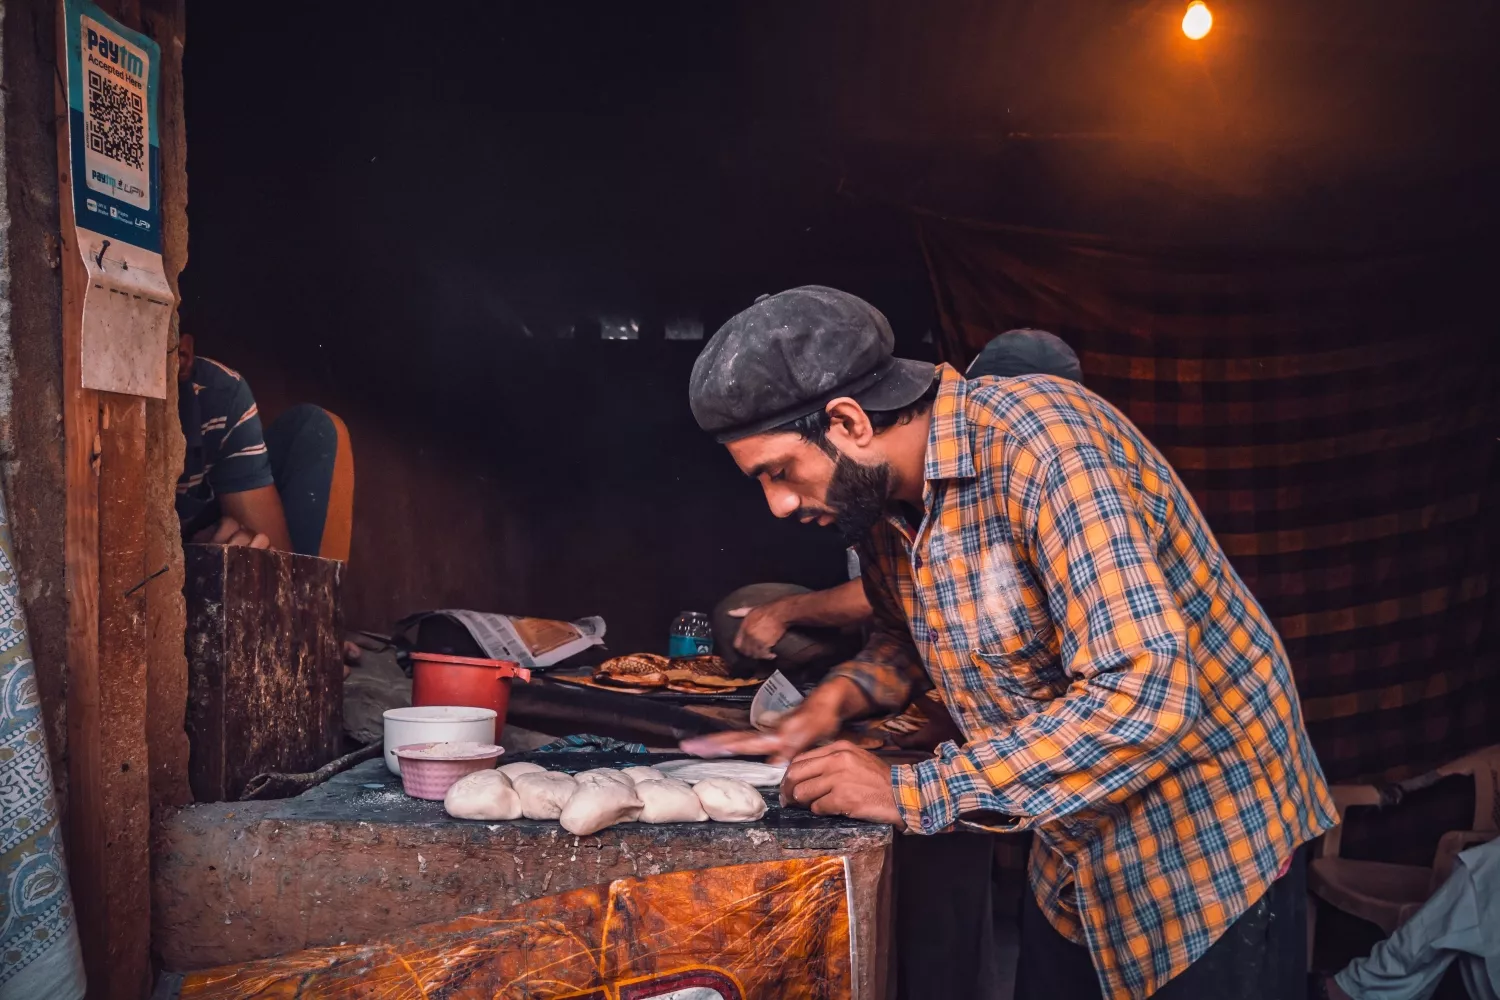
(1336, 418)
(39, 953)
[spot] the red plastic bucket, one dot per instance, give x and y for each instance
(464, 680)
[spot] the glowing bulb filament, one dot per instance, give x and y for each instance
(1197, 21)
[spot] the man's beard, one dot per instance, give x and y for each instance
(857, 495)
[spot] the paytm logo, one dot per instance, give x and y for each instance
(123, 186)
(120, 55)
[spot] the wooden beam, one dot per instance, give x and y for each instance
(105, 466)
(166, 658)
(121, 753)
(87, 833)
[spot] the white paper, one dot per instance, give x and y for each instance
(749, 771)
(127, 310)
(497, 636)
(777, 695)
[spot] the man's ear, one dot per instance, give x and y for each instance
(848, 418)
(184, 356)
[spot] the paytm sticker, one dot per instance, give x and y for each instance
(116, 123)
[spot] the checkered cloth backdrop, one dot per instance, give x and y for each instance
(1335, 416)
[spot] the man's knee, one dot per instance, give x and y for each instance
(303, 426)
(313, 467)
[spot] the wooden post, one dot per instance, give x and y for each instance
(166, 658)
(106, 473)
(88, 836)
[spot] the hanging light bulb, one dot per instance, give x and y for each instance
(1198, 20)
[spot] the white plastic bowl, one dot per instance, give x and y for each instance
(435, 724)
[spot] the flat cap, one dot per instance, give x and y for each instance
(792, 353)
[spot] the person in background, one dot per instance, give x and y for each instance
(1461, 922)
(1009, 355)
(1032, 557)
(289, 488)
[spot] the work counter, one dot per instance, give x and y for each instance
(356, 859)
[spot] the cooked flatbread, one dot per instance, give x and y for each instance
(633, 663)
(683, 687)
(726, 683)
(589, 682)
(702, 665)
(646, 680)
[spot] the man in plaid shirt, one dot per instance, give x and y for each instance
(1028, 553)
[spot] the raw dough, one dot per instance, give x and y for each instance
(482, 795)
(729, 800)
(544, 795)
(598, 774)
(749, 771)
(520, 767)
(669, 801)
(640, 774)
(598, 804)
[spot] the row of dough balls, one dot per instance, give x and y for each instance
(599, 798)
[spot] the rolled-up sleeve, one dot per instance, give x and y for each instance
(242, 462)
(888, 669)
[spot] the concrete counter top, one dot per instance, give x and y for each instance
(356, 858)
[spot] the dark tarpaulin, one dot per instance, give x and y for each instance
(1334, 414)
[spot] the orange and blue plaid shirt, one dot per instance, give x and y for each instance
(1121, 692)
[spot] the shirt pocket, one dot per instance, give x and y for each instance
(1024, 667)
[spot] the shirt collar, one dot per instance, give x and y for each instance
(950, 453)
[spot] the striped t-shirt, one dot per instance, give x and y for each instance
(226, 452)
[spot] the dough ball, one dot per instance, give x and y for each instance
(669, 801)
(599, 774)
(729, 800)
(598, 804)
(482, 795)
(520, 767)
(640, 774)
(544, 794)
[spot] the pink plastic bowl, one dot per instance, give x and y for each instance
(424, 777)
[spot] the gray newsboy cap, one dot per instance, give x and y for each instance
(792, 353)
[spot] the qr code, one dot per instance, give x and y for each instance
(115, 124)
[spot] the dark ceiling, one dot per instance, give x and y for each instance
(671, 156)
(398, 211)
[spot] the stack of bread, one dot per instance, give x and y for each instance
(593, 800)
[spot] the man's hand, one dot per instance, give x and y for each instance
(352, 652)
(762, 628)
(842, 780)
(820, 716)
(229, 532)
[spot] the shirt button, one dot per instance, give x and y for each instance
(917, 562)
(927, 822)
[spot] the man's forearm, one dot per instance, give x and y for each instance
(836, 607)
(259, 511)
(847, 698)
